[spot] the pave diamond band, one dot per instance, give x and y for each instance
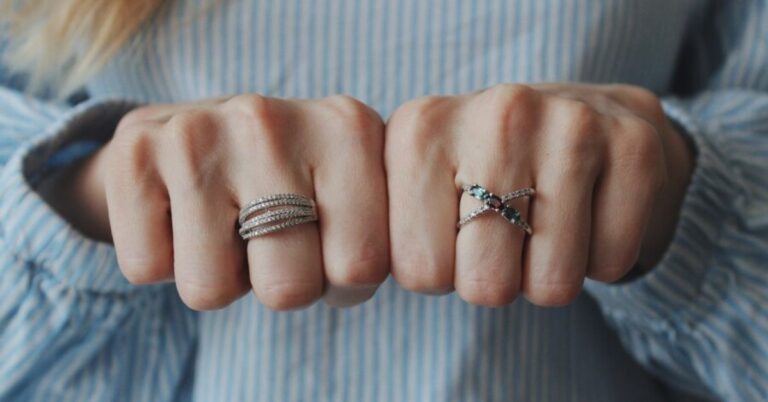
(494, 203)
(272, 201)
(275, 212)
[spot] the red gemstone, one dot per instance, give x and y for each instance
(494, 202)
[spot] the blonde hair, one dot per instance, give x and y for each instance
(64, 42)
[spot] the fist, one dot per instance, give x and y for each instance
(176, 176)
(599, 158)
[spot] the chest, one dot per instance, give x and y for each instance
(385, 52)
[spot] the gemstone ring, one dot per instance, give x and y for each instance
(494, 203)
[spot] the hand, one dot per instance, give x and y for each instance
(175, 177)
(609, 172)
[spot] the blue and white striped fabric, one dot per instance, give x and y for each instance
(72, 329)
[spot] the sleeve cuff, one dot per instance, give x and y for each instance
(673, 291)
(33, 230)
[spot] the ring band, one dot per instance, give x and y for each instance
(271, 201)
(275, 212)
(494, 203)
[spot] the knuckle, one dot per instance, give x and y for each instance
(639, 127)
(194, 139)
(581, 145)
(504, 99)
(509, 95)
(136, 117)
(131, 154)
(288, 296)
(582, 117)
(417, 113)
(189, 131)
(512, 109)
(201, 297)
(254, 107)
(128, 138)
(548, 294)
(413, 128)
(265, 118)
(184, 125)
(354, 113)
(644, 97)
(487, 293)
(582, 137)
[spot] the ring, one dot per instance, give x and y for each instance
(494, 203)
(275, 212)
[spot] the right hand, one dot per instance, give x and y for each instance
(175, 177)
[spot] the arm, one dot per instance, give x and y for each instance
(698, 318)
(71, 327)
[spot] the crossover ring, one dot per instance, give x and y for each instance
(494, 203)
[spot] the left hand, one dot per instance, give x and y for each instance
(609, 171)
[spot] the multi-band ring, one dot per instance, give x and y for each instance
(275, 212)
(494, 203)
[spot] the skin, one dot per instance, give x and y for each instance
(609, 169)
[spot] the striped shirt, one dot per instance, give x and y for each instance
(73, 329)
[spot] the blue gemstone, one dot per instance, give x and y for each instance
(478, 192)
(511, 214)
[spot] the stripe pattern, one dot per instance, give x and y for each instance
(71, 328)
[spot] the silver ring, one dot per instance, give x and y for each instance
(494, 203)
(275, 212)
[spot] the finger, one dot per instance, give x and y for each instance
(265, 158)
(352, 195)
(636, 101)
(210, 263)
(138, 208)
(209, 258)
(557, 253)
(285, 266)
(623, 201)
(423, 201)
(489, 248)
(423, 210)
